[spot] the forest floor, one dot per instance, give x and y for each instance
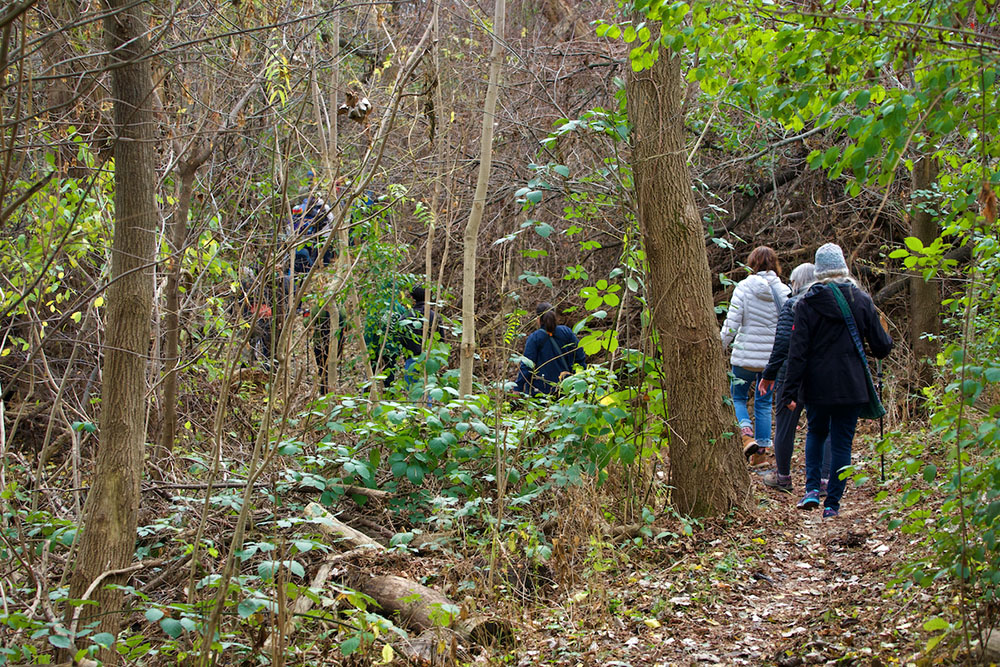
(781, 587)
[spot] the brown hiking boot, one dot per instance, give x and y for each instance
(750, 446)
(762, 457)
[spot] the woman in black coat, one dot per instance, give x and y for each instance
(825, 372)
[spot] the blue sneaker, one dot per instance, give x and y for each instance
(829, 512)
(810, 501)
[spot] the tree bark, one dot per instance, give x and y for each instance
(111, 511)
(707, 470)
(176, 238)
(471, 239)
(925, 299)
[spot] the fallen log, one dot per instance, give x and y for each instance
(990, 643)
(344, 534)
(420, 609)
(304, 603)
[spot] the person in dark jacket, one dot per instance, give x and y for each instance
(412, 341)
(825, 372)
(552, 351)
(786, 421)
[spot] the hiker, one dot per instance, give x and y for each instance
(553, 350)
(385, 335)
(826, 372)
(321, 341)
(786, 421)
(256, 308)
(749, 326)
(412, 342)
(311, 217)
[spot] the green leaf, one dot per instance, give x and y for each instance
(534, 196)
(60, 641)
(415, 473)
(544, 229)
(930, 472)
(862, 99)
(936, 623)
(296, 568)
(914, 244)
(267, 569)
(172, 627)
(105, 639)
(562, 170)
(154, 614)
(350, 645)
(249, 607)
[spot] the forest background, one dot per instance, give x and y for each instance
(173, 489)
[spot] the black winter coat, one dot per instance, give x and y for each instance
(823, 366)
(775, 369)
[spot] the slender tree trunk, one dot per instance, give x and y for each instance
(707, 469)
(111, 511)
(471, 240)
(925, 300)
(176, 237)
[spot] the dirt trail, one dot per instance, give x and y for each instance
(784, 587)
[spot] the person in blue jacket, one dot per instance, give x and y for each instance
(552, 350)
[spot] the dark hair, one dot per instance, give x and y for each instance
(547, 316)
(418, 294)
(764, 259)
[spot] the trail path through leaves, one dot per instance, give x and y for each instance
(784, 587)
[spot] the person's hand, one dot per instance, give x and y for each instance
(792, 405)
(764, 386)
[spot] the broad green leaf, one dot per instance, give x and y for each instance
(172, 627)
(350, 645)
(936, 623)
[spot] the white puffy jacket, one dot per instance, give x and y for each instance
(752, 318)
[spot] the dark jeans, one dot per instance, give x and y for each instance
(839, 422)
(786, 421)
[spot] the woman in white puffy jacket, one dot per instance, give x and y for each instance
(749, 326)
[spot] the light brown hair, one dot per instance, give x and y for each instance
(764, 259)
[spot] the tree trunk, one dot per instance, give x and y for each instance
(176, 237)
(471, 240)
(707, 469)
(111, 511)
(925, 300)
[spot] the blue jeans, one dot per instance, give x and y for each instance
(839, 422)
(743, 383)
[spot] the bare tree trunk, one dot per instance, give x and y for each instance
(111, 511)
(707, 469)
(176, 236)
(925, 300)
(471, 240)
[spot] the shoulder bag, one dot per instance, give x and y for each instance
(779, 301)
(873, 409)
